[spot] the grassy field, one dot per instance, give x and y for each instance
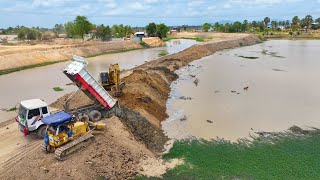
(278, 156)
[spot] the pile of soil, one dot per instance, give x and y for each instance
(115, 154)
(153, 41)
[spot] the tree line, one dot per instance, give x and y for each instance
(81, 26)
(296, 24)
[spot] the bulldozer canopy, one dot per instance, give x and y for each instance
(57, 118)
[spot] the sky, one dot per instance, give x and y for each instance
(47, 13)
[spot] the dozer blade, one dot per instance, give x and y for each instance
(62, 152)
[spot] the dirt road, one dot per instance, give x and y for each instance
(118, 151)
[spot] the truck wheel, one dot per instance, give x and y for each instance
(95, 116)
(41, 131)
(84, 118)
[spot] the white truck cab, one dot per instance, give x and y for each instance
(29, 116)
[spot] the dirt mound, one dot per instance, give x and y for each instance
(146, 93)
(115, 154)
(153, 41)
(79, 99)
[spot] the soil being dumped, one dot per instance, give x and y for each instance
(132, 137)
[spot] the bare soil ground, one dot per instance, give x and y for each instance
(121, 150)
(216, 36)
(19, 56)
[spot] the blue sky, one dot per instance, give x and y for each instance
(46, 13)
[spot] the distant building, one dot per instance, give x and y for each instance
(173, 30)
(90, 35)
(140, 34)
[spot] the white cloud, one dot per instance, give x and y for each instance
(227, 6)
(196, 3)
(212, 7)
(137, 6)
(47, 3)
(151, 1)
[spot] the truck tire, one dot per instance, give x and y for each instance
(95, 115)
(41, 131)
(84, 118)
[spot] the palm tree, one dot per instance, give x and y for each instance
(295, 20)
(308, 22)
(266, 21)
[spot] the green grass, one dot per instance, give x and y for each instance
(8, 71)
(164, 53)
(249, 57)
(278, 156)
(57, 89)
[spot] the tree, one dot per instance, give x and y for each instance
(58, 28)
(82, 26)
(254, 24)
(151, 29)
(274, 24)
(244, 25)
(266, 21)
(184, 27)
(295, 20)
(237, 26)
(308, 22)
(121, 31)
(261, 26)
(162, 30)
(217, 26)
(317, 20)
(22, 34)
(206, 27)
(103, 32)
(69, 29)
(31, 34)
(287, 24)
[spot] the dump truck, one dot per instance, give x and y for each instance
(31, 112)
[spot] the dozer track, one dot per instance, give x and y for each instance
(62, 152)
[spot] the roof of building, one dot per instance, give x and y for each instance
(33, 103)
(139, 33)
(57, 118)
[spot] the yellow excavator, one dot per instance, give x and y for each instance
(110, 81)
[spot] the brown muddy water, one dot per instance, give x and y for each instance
(39, 82)
(265, 87)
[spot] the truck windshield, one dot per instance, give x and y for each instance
(22, 112)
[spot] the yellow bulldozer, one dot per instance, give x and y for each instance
(111, 81)
(65, 134)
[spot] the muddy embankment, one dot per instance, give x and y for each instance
(131, 141)
(12, 57)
